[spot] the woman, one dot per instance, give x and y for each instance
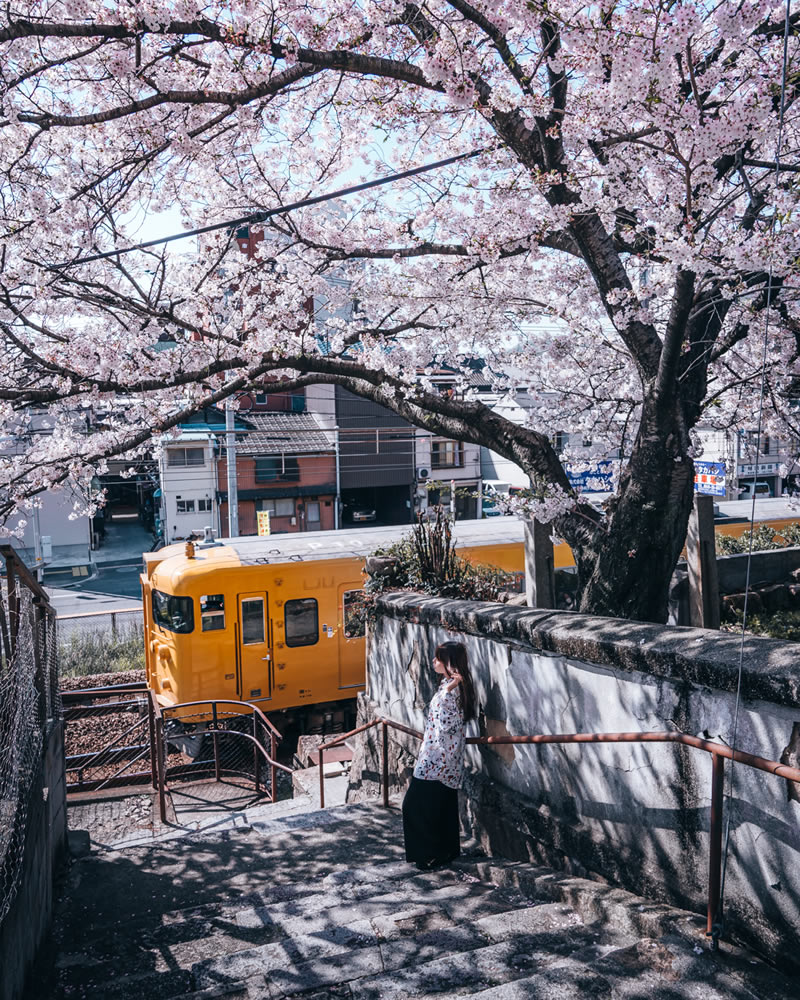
(430, 808)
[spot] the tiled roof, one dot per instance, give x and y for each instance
(273, 433)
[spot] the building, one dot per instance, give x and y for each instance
(377, 462)
(285, 465)
(57, 536)
(187, 501)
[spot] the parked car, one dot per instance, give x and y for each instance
(359, 513)
(748, 490)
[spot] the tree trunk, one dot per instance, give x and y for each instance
(626, 567)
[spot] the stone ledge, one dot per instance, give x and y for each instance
(701, 656)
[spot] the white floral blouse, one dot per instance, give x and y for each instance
(442, 755)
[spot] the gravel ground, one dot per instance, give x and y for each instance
(101, 680)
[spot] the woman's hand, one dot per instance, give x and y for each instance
(455, 680)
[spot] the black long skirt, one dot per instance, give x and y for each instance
(430, 823)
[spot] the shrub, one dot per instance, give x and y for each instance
(764, 539)
(100, 652)
(778, 625)
(426, 561)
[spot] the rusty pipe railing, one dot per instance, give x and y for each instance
(158, 714)
(719, 753)
(248, 706)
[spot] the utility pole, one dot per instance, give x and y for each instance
(37, 543)
(337, 509)
(233, 488)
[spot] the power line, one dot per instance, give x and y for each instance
(258, 217)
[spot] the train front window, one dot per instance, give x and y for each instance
(302, 622)
(252, 621)
(173, 613)
(212, 612)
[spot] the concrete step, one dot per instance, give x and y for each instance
(324, 906)
(222, 937)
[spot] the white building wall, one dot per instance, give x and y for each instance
(188, 486)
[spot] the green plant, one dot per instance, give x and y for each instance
(102, 652)
(778, 625)
(764, 539)
(427, 561)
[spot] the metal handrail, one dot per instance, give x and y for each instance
(227, 701)
(136, 687)
(100, 614)
(719, 753)
(157, 713)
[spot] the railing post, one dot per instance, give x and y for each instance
(214, 740)
(321, 781)
(385, 741)
(715, 847)
(273, 752)
(162, 781)
(256, 756)
(151, 726)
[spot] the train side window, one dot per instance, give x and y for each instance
(252, 621)
(173, 613)
(355, 614)
(302, 622)
(212, 612)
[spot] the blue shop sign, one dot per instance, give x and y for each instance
(709, 477)
(598, 479)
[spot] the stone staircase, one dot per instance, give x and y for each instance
(322, 905)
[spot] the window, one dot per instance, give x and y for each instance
(302, 622)
(185, 506)
(185, 456)
(173, 613)
(354, 609)
(261, 398)
(560, 441)
(252, 621)
(312, 510)
(278, 508)
(270, 468)
(203, 506)
(212, 612)
(447, 454)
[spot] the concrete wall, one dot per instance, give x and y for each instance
(23, 931)
(772, 566)
(637, 815)
(767, 567)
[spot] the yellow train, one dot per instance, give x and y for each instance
(276, 621)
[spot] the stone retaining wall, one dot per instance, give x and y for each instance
(637, 815)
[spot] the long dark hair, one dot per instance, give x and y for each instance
(454, 657)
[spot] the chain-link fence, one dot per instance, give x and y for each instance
(28, 699)
(101, 642)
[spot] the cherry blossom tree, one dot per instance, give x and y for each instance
(623, 242)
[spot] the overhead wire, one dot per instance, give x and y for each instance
(254, 218)
(718, 925)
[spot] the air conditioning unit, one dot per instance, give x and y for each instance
(423, 472)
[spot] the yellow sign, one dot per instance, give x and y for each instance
(262, 517)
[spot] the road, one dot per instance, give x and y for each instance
(110, 590)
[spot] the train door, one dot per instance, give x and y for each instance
(352, 652)
(254, 649)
